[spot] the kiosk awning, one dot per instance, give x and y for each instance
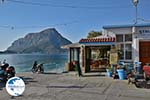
(98, 41)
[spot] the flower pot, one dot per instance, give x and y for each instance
(122, 74)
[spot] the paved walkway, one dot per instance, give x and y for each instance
(50, 86)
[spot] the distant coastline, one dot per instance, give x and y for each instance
(7, 52)
(35, 53)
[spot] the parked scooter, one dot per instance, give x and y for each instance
(6, 72)
(3, 76)
(10, 72)
(38, 68)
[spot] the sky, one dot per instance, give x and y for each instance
(72, 18)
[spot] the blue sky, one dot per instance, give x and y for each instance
(72, 18)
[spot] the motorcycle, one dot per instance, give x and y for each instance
(6, 73)
(146, 69)
(38, 69)
(3, 76)
(10, 72)
(34, 69)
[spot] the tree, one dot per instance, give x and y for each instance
(94, 34)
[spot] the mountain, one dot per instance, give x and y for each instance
(48, 41)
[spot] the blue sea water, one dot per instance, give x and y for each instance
(24, 62)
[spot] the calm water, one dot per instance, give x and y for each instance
(24, 62)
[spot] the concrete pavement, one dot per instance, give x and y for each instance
(68, 86)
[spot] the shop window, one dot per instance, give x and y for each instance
(119, 38)
(128, 47)
(121, 51)
(124, 46)
(128, 37)
(128, 51)
(93, 54)
(128, 54)
(100, 52)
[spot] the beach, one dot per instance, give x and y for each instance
(68, 86)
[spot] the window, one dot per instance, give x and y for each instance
(100, 52)
(128, 55)
(124, 46)
(128, 51)
(128, 47)
(128, 37)
(121, 51)
(93, 54)
(119, 38)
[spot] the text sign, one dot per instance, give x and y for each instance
(144, 31)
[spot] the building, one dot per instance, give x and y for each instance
(132, 43)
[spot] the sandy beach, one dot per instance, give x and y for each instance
(68, 86)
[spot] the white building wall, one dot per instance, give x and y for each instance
(135, 49)
(141, 34)
(120, 30)
(138, 34)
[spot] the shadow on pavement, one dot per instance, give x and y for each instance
(51, 73)
(2, 85)
(27, 80)
(94, 75)
(73, 86)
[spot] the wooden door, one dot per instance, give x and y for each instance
(144, 51)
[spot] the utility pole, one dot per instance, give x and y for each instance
(135, 39)
(135, 2)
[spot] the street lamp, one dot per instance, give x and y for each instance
(2, 1)
(135, 2)
(135, 39)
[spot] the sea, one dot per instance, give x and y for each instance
(24, 62)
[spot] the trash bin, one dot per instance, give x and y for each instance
(122, 74)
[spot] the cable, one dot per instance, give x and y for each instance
(144, 20)
(24, 27)
(66, 6)
(5, 26)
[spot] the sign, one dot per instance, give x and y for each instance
(113, 58)
(15, 86)
(144, 31)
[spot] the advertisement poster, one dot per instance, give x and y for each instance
(113, 58)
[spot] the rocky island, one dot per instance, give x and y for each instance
(48, 41)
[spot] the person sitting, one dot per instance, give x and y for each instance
(34, 65)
